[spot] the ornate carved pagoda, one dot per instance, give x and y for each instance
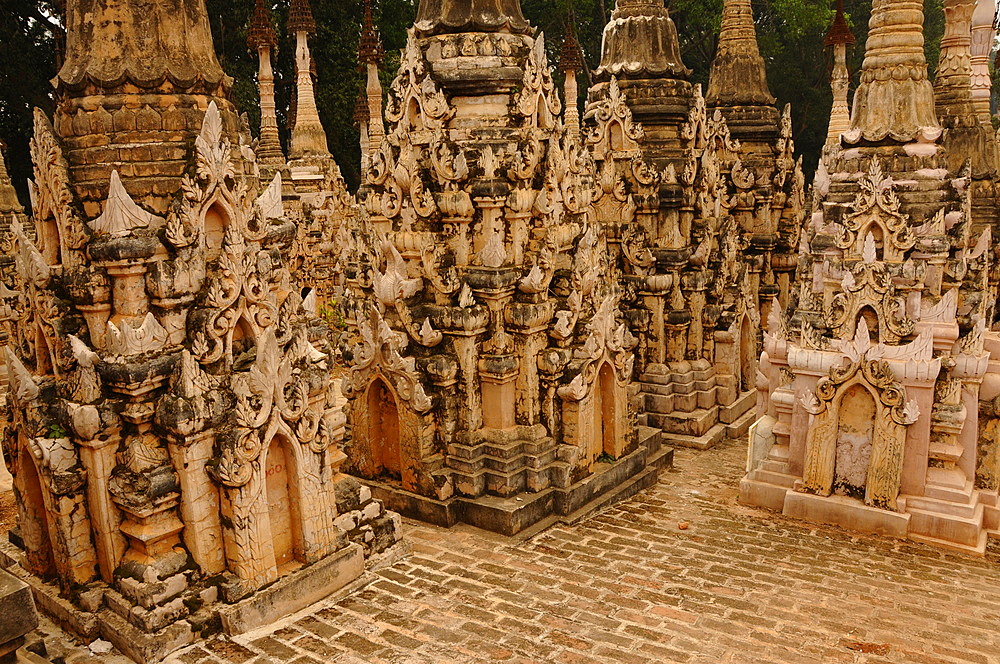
(172, 429)
(692, 227)
(491, 367)
(871, 386)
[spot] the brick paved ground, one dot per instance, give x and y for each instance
(628, 585)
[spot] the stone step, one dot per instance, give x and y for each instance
(703, 442)
(762, 494)
(959, 530)
(962, 495)
(695, 423)
(777, 479)
(962, 510)
(741, 426)
(745, 402)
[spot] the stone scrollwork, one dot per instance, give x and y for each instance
(613, 128)
(876, 207)
(380, 351)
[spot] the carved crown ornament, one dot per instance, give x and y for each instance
(379, 351)
(876, 210)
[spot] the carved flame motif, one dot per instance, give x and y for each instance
(121, 215)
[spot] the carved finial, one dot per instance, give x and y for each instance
(370, 49)
(261, 31)
(738, 76)
(840, 32)
(571, 56)
(300, 18)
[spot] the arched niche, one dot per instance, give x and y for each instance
(49, 241)
(414, 115)
(242, 337)
(383, 430)
(596, 422)
(616, 136)
(870, 317)
(860, 417)
(35, 526)
(283, 504)
(605, 411)
(855, 429)
(215, 224)
(43, 354)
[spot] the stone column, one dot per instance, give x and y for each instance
(199, 505)
(983, 35)
(840, 113)
(98, 459)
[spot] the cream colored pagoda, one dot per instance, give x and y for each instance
(870, 389)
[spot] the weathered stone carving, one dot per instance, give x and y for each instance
(173, 426)
(875, 397)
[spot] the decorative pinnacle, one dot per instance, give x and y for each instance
(738, 77)
(840, 32)
(300, 18)
(571, 57)
(361, 112)
(895, 99)
(436, 17)
(261, 32)
(370, 49)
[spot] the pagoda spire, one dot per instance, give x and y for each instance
(9, 204)
(135, 83)
(146, 44)
(738, 76)
(953, 83)
(262, 38)
(641, 42)
(447, 16)
(983, 35)
(839, 38)
(370, 54)
(571, 63)
(895, 100)
(308, 135)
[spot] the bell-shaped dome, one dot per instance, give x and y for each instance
(108, 43)
(641, 42)
(444, 16)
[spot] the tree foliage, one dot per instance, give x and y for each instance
(790, 33)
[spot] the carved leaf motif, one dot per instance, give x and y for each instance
(270, 204)
(149, 337)
(493, 254)
(575, 391)
(121, 215)
(25, 388)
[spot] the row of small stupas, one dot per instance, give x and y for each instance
(536, 301)
(878, 388)
(174, 432)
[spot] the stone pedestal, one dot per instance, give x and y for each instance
(17, 615)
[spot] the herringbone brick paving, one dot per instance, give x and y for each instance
(629, 585)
